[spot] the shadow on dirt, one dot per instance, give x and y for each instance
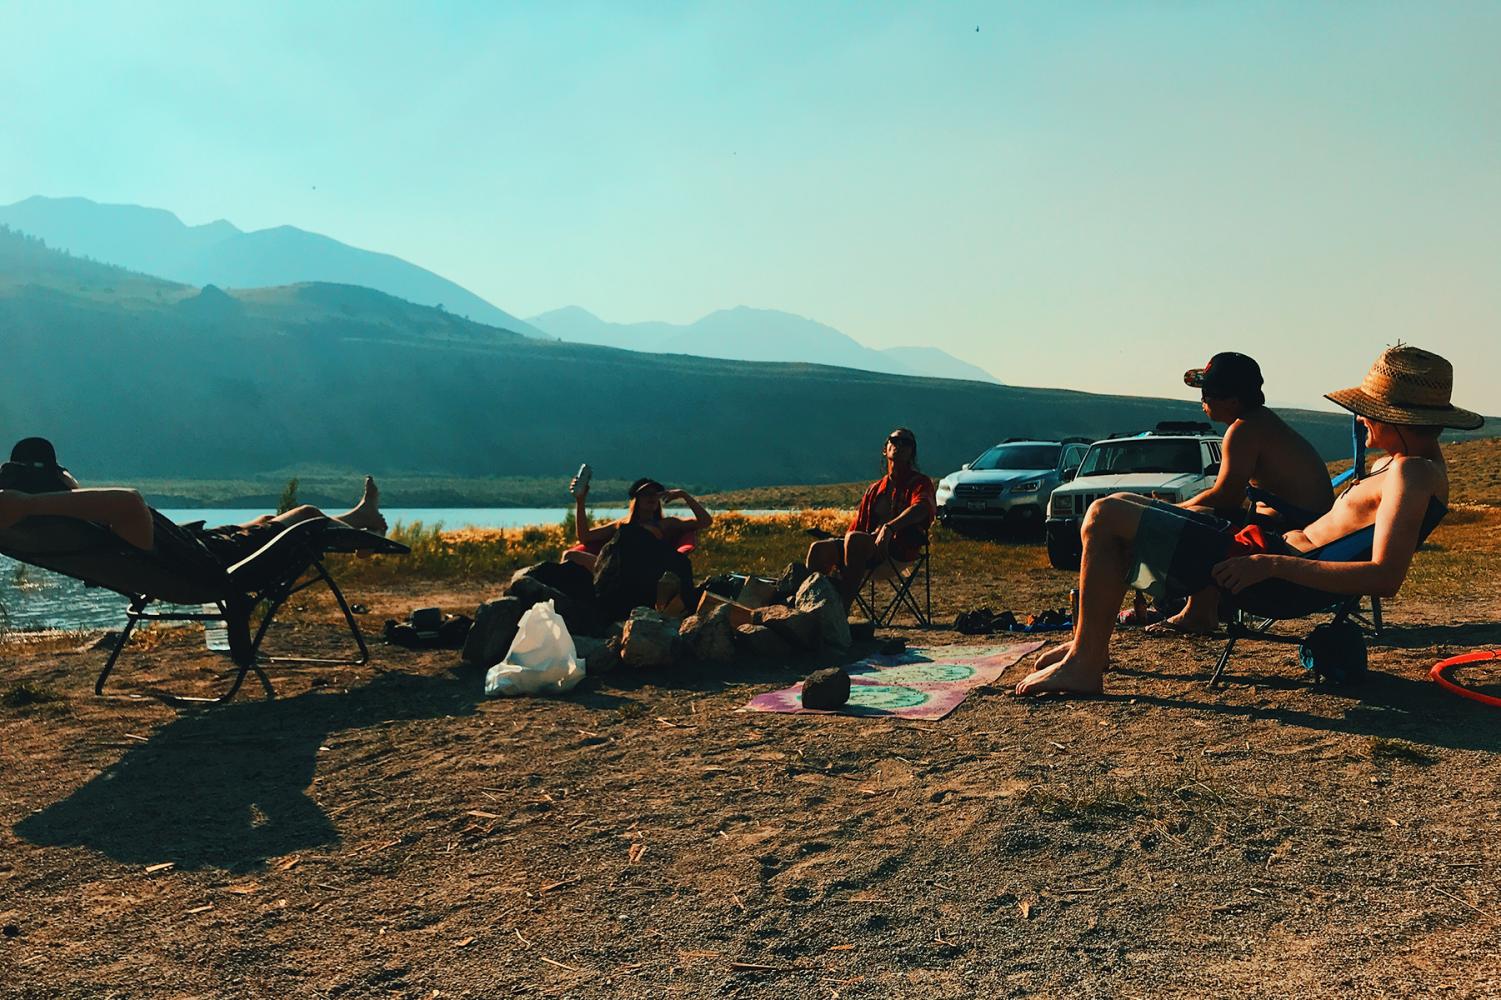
(227, 786)
(1382, 705)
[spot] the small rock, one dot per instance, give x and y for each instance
(588, 648)
(826, 689)
(818, 594)
(758, 640)
(862, 631)
(12, 930)
(648, 639)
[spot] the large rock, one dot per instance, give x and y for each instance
(818, 594)
(566, 577)
(800, 628)
(579, 616)
(758, 640)
(792, 578)
(648, 639)
(710, 637)
(826, 689)
(494, 629)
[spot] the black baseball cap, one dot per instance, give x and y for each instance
(1228, 375)
(644, 485)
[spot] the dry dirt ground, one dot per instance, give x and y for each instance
(385, 831)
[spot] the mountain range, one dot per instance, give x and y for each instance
(156, 242)
(746, 334)
(136, 377)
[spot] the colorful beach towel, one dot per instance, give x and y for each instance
(918, 684)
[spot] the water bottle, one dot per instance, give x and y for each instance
(581, 481)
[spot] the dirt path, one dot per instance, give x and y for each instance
(383, 831)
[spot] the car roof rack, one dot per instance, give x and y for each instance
(1183, 427)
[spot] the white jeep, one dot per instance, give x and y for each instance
(1175, 461)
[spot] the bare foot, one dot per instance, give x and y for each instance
(366, 514)
(1051, 656)
(1069, 675)
(1184, 624)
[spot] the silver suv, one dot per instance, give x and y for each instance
(1174, 462)
(1009, 484)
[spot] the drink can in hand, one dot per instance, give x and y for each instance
(581, 481)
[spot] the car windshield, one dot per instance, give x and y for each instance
(1018, 457)
(1142, 455)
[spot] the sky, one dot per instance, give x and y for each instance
(1086, 195)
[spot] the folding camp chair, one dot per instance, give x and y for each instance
(179, 570)
(1256, 609)
(901, 580)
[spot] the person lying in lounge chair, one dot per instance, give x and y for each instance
(892, 520)
(126, 513)
(1259, 450)
(1403, 403)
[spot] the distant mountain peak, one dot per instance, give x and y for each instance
(155, 241)
(752, 333)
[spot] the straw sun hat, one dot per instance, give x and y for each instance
(1408, 386)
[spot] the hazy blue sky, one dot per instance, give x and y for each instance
(1093, 195)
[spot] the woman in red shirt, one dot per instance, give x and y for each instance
(890, 525)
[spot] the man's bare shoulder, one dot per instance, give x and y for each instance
(1248, 432)
(1413, 473)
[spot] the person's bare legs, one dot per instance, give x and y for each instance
(1109, 529)
(859, 549)
(365, 514)
(1200, 615)
(580, 558)
(825, 556)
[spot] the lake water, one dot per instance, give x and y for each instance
(34, 599)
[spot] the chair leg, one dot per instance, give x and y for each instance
(114, 654)
(1376, 615)
(1219, 668)
(323, 575)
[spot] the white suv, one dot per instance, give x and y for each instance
(1174, 462)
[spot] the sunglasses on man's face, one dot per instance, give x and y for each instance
(898, 439)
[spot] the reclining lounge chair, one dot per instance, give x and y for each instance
(180, 571)
(1272, 601)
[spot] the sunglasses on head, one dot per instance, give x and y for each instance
(899, 439)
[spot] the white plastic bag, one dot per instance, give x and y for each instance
(542, 658)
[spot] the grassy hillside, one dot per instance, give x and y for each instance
(139, 379)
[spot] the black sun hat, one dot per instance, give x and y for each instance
(1228, 375)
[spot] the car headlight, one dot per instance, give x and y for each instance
(1062, 504)
(1030, 486)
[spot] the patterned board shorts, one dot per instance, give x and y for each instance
(1176, 550)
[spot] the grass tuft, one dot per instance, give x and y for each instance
(1385, 749)
(29, 693)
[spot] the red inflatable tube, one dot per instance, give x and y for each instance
(1437, 673)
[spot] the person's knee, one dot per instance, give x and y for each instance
(1103, 514)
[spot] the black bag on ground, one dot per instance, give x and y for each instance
(1335, 651)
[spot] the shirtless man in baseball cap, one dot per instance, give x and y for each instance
(1259, 450)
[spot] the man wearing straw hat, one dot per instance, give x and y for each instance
(1403, 404)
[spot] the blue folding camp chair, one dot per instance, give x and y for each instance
(1256, 609)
